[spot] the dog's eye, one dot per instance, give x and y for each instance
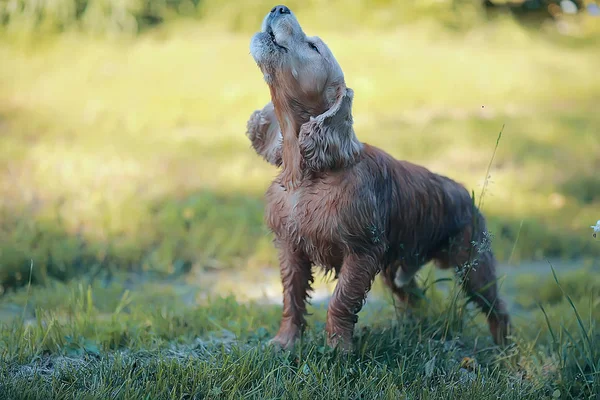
(312, 46)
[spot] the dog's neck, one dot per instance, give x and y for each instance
(291, 114)
(334, 146)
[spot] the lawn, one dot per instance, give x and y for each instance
(133, 152)
(129, 337)
(133, 253)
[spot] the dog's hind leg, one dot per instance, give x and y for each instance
(472, 257)
(402, 283)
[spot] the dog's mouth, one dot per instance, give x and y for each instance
(272, 36)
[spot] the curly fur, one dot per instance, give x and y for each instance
(328, 142)
(349, 207)
(265, 136)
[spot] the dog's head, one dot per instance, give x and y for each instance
(301, 71)
(309, 95)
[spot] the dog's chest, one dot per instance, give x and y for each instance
(308, 216)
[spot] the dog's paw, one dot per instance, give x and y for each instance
(344, 345)
(285, 341)
(500, 328)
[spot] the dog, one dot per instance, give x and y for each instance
(347, 206)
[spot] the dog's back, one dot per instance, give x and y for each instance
(421, 209)
(432, 217)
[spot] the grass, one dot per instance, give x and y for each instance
(148, 339)
(130, 153)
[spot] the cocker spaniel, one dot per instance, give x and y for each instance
(349, 207)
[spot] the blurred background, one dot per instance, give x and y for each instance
(123, 155)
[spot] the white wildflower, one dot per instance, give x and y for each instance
(596, 228)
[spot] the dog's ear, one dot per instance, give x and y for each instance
(328, 142)
(265, 135)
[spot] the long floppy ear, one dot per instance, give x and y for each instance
(328, 142)
(265, 135)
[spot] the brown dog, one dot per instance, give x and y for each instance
(348, 206)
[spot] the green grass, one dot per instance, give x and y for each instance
(130, 154)
(142, 338)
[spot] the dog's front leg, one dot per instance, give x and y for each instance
(296, 277)
(355, 280)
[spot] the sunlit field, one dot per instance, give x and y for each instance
(134, 261)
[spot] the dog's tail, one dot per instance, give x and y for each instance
(460, 209)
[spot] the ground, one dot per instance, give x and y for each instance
(134, 336)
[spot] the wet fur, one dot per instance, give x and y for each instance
(356, 211)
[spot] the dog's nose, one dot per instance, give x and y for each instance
(280, 10)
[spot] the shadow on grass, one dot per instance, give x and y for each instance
(202, 229)
(197, 230)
